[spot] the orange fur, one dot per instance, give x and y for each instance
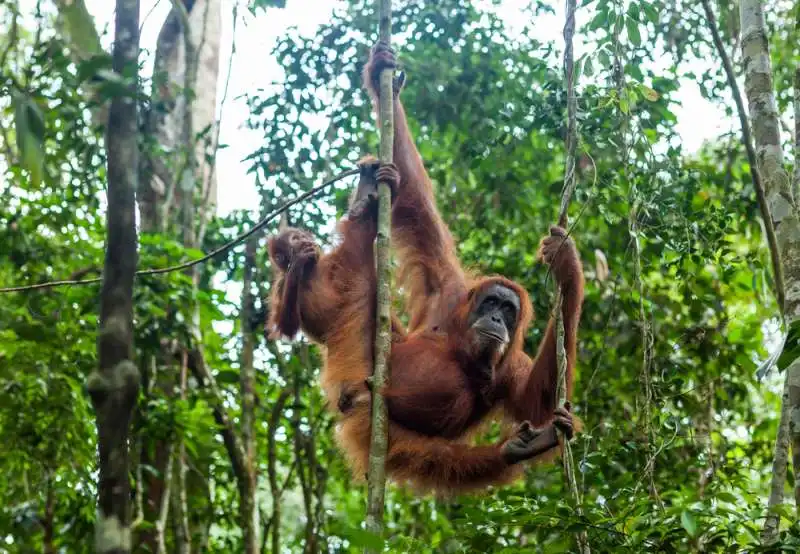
(436, 395)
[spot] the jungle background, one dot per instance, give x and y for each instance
(677, 451)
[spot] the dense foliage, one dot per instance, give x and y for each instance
(677, 447)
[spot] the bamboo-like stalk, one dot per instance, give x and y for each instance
(379, 442)
(569, 187)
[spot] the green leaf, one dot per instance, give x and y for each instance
(79, 25)
(727, 497)
(623, 105)
(605, 59)
(588, 68)
(29, 126)
(650, 12)
(600, 20)
(689, 522)
(228, 376)
(791, 348)
(363, 538)
(648, 93)
(633, 32)
(90, 68)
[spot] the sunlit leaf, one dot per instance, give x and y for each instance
(29, 127)
(689, 522)
(633, 32)
(80, 26)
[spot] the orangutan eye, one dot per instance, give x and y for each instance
(509, 312)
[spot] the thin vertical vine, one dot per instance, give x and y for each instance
(623, 101)
(566, 195)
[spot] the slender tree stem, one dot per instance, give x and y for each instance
(380, 425)
(248, 506)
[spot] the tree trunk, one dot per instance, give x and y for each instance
(779, 465)
(115, 385)
(183, 536)
(752, 159)
(778, 191)
(184, 97)
(250, 520)
(793, 375)
(160, 187)
(163, 510)
(272, 471)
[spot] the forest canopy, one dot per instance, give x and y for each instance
(687, 361)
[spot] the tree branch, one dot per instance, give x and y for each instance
(275, 491)
(233, 444)
(247, 503)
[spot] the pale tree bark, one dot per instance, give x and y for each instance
(782, 209)
(793, 376)
(747, 141)
(163, 511)
(157, 195)
(769, 533)
(163, 170)
(115, 385)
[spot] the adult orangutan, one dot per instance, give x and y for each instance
(462, 355)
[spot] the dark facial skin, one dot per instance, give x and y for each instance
(494, 318)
